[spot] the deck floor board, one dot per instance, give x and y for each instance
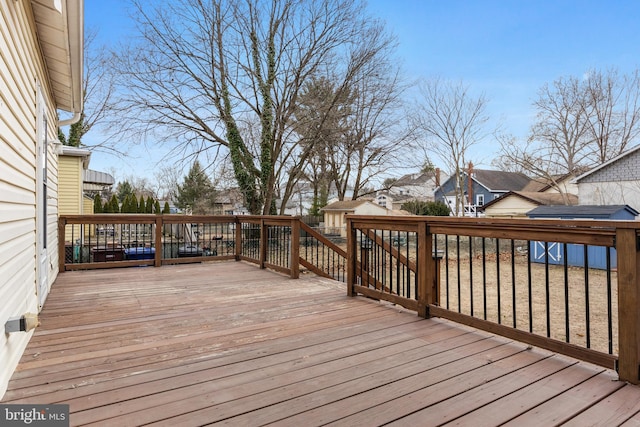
(227, 343)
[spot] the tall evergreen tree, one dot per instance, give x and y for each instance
(148, 207)
(97, 203)
(196, 191)
(141, 205)
(124, 189)
(115, 207)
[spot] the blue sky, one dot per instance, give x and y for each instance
(506, 49)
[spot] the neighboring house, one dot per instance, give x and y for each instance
(518, 203)
(72, 165)
(394, 201)
(300, 201)
(419, 186)
(486, 185)
(335, 213)
(42, 70)
(564, 184)
(414, 186)
(230, 202)
(538, 192)
(616, 182)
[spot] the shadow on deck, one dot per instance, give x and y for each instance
(227, 342)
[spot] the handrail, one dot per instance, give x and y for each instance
(322, 263)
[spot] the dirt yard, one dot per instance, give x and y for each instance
(514, 290)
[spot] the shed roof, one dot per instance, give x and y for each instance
(344, 205)
(581, 211)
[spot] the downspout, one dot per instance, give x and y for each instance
(72, 120)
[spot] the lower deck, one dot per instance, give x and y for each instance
(229, 343)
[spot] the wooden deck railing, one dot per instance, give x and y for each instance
(569, 286)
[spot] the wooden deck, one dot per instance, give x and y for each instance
(229, 343)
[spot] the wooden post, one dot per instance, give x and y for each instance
(294, 263)
(238, 242)
(426, 269)
(264, 241)
(351, 258)
(628, 305)
(62, 253)
(158, 243)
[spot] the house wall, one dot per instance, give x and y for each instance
(21, 73)
(335, 221)
(509, 207)
(615, 184)
(449, 186)
(87, 205)
(70, 185)
(567, 186)
(626, 168)
(610, 193)
(370, 209)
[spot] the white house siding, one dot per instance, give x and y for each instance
(611, 193)
(21, 69)
(567, 186)
(510, 206)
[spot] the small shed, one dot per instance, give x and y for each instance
(335, 213)
(553, 252)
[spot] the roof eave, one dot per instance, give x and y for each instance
(60, 31)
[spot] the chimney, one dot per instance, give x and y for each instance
(437, 177)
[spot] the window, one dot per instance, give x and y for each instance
(480, 200)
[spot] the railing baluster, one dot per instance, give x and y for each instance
(446, 264)
(609, 303)
(498, 281)
(484, 278)
(471, 275)
(565, 253)
(546, 287)
(587, 313)
(458, 271)
(513, 283)
(529, 286)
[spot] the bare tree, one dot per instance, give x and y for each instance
(375, 134)
(559, 137)
(226, 73)
(612, 102)
(531, 160)
(579, 123)
(451, 120)
(98, 89)
(319, 117)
